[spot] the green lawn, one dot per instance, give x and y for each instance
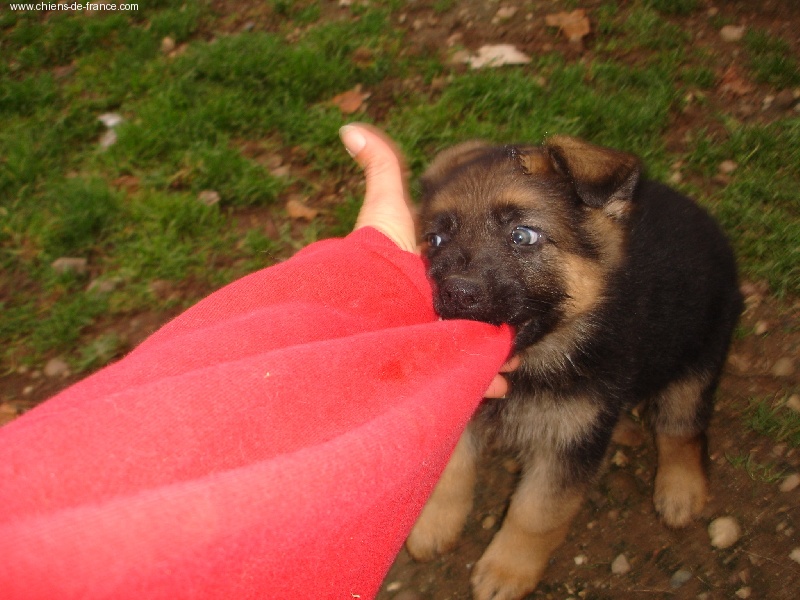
(190, 116)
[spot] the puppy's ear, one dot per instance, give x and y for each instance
(448, 160)
(602, 177)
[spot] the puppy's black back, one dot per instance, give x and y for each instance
(676, 300)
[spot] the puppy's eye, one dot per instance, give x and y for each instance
(435, 240)
(525, 236)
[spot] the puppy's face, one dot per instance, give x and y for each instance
(525, 235)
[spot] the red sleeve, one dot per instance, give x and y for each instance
(277, 440)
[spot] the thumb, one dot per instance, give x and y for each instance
(386, 202)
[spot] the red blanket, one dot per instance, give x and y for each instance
(277, 440)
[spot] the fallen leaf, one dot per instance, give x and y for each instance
(129, 183)
(496, 55)
(296, 209)
(350, 101)
(209, 197)
(733, 83)
(575, 25)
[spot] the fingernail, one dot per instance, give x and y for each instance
(353, 140)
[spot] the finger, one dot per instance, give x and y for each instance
(386, 202)
(498, 388)
(512, 364)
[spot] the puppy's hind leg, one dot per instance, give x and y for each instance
(680, 415)
(446, 511)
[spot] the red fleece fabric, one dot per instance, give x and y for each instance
(277, 440)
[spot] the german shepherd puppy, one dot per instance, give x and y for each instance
(620, 290)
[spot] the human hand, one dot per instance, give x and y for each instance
(387, 205)
(386, 202)
(499, 387)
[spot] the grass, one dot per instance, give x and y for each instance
(774, 420)
(188, 118)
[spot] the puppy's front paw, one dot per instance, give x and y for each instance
(503, 573)
(437, 529)
(680, 495)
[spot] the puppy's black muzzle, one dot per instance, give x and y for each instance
(460, 297)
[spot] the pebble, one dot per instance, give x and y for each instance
(680, 577)
(783, 367)
(726, 167)
(394, 586)
(724, 532)
(761, 328)
(744, 592)
(167, 45)
(620, 566)
(504, 13)
(732, 33)
(70, 264)
(790, 482)
(795, 555)
(784, 100)
(489, 522)
(793, 403)
(56, 367)
(580, 559)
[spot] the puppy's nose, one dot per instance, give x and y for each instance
(461, 293)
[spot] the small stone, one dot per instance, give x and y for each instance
(761, 328)
(56, 367)
(28, 390)
(783, 367)
(732, 33)
(504, 13)
(793, 403)
(790, 482)
(580, 559)
(680, 577)
(795, 555)
(70, 264)
(743, 592)
(167, 45)
(489, 522)
(620, 566)
(394, 586)
(784, 100)
(724, 532)
(620, 459)
(249, 26)
(209, 197)
(726, 167)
